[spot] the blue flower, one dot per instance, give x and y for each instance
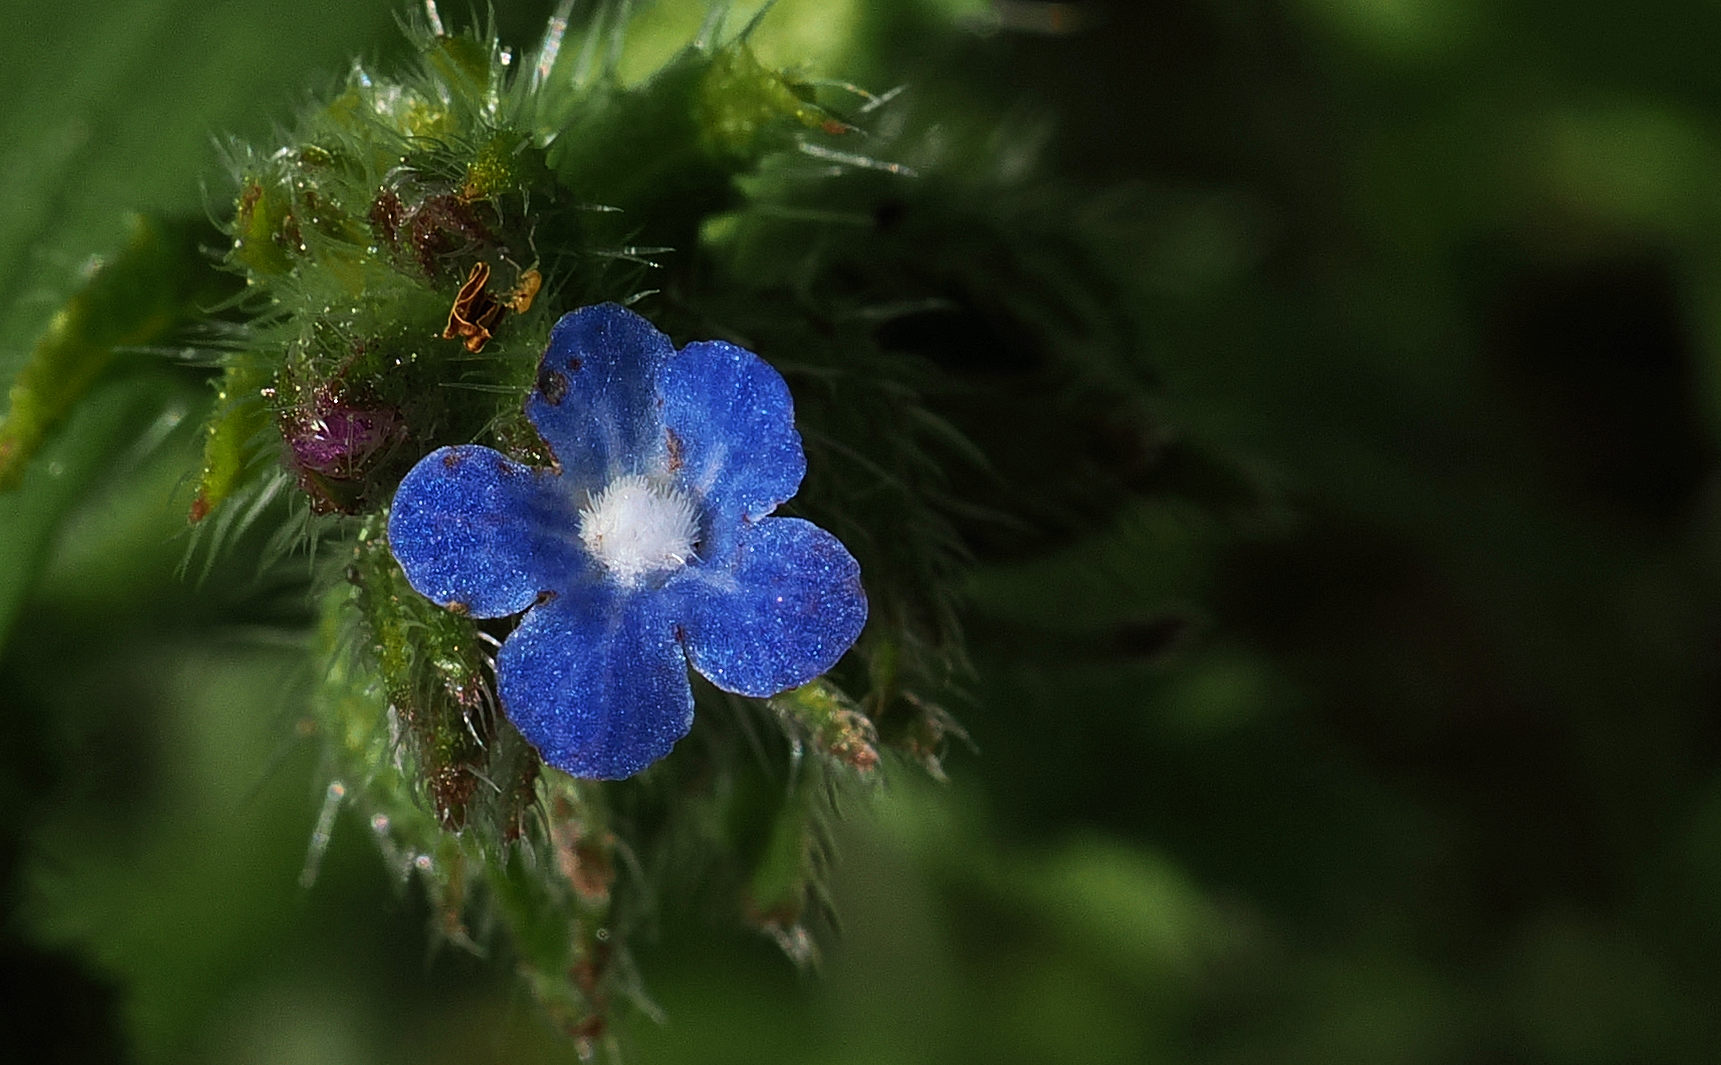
(645, 549)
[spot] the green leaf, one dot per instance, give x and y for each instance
(156, 283)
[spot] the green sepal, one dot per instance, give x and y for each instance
(265, 234)
(432, 667)
(239, 419)
(686, 132)
(464, 63)
(506, 162)
(836, 726)
(745, 110)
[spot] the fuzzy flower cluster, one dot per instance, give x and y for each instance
(647, 548)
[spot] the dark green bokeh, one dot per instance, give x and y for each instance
(1377, 725)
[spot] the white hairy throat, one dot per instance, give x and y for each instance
(637, 527)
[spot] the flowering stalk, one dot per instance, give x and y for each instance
(608, 411)
(405, 254)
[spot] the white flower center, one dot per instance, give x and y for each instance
(636, 528)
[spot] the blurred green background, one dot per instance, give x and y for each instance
(1396, 740)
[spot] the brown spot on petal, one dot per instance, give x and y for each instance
(676, 458)
(553, 385)
(455, 606)
(451, 459)
(574, 365)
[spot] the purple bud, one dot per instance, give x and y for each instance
(337, 438)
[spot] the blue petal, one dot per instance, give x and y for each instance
(476, 531)
(596, 680)
(596, 400)
(777, 613)
(731, 434)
